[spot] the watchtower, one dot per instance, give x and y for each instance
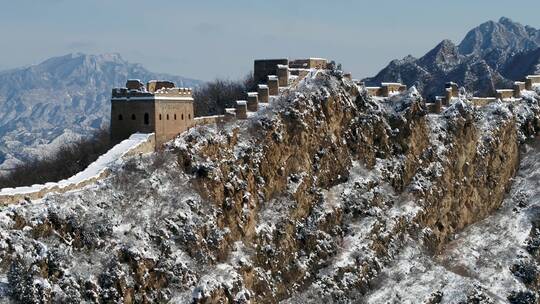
(159, 108)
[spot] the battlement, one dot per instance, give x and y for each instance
(264, 67)
(241, 109)
(374, 91)
(532, 81)
(136, 91)
(155, 85)
(504, 94)
(283, 68)
(385, 90)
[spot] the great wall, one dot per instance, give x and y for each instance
(152, 114)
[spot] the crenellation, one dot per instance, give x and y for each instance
(451, 90)
(263, 92)
(134, 85)
(519, 86)
(283, 75)
(273, 85)
(241, 109)
(155, 85)
(253, 101)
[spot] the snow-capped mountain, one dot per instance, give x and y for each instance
(490, 56)
(61, 99)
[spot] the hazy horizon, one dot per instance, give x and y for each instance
(217, 39)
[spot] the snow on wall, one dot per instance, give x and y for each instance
(136, 143)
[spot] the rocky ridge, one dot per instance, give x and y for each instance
(307, 201)
(491, 56)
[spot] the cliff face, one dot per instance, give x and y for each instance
(305, 202)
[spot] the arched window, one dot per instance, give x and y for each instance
(133, 117)
(159, 116)
(167, 116)
(189, 116)
(120, 117)
(182, 116)
(175, 116)
(146, 118)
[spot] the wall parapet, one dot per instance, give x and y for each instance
(209, 120)
(138, 143)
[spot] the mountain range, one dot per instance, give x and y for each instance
(491, 56)
(61, 99)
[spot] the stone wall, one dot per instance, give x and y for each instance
(172, 118)
(128, 117)
(505, 94)
(209, 120)
(392, 88)
(482, 101)
(39, 191)
(374, 91)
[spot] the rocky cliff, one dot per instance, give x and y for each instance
(307, 201)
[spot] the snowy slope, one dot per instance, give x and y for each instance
(322, 197)
(480, 260)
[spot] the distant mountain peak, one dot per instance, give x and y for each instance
(503, 34)
(446, 46)
(506, 20)
(492, 54)
(442, 56)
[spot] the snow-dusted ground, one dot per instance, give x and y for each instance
(480, 259)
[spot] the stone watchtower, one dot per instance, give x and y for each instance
(159, 107)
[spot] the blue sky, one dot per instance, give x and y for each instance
(209, 39)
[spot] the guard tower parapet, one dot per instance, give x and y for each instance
(159, 107)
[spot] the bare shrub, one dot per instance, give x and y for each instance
(213, 97)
